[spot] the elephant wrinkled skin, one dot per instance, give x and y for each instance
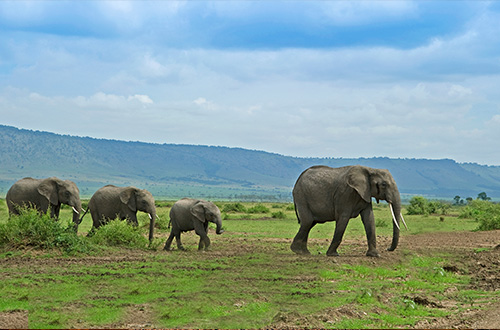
(193, 214)
(111, 202)
(323, 194)
(42, 194)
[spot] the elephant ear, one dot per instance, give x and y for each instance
(198, 211)
(127, 196)
(48, 189)
(358, 178)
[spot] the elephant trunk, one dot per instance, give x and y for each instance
(152, 218)
(396, 216)
(219, 229)
(77, 210)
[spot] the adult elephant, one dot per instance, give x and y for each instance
(42, 194)
(193, 214)
(111, 202)
(323, 194)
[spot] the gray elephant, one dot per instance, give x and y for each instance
(188, 214)
(44, 193)
(111, 202)
(323, 194)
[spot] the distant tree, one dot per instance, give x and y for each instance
(457, 199)
(469, 199)
(483, 196)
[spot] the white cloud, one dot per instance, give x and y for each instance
(141, 98)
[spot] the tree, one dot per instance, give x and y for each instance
(483, 196)
(457, 199)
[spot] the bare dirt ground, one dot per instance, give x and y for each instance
(480, 259)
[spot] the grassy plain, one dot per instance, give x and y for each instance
(249, 279)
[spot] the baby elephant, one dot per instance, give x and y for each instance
(188, 214)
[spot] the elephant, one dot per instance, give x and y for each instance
(41, 194)
(110, 202)
(188, 214)
(323, 194)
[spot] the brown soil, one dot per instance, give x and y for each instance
(478, 256)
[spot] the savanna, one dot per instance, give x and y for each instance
(443, 274)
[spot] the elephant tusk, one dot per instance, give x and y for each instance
(393, 216)
(150, 217)
(157, 217)
(404, 222)
(74, 210)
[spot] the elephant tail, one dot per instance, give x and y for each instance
(296, 213)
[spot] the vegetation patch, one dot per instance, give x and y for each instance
(486, 213)
(32, 230)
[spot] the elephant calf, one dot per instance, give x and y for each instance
(188, 214)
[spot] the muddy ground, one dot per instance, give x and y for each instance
(481, 260)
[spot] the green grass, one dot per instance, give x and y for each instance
(250, 279)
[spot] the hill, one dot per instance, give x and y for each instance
(173, 171)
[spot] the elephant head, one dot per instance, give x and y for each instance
(140, 200)
(59, 192)
(208, 211)
(379, 184)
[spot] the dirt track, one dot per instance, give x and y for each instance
(481, 260)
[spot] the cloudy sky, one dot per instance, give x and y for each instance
(401, 79)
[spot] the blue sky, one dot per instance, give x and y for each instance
(408, 79)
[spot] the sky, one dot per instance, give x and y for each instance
(350, 79)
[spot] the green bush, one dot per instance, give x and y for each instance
(30, 229)
(486, 213)
(421, 206)
(259, 208)
(278, 215)
(418, 205)
(234, 207)
(119, 233)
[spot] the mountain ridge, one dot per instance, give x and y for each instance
(216, 172)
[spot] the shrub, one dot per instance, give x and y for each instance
(259, 208)
(30, 229)
(422, 206)
(486, 213)
(278, 215)
(119, 233)
(418, 205)
(234, 207)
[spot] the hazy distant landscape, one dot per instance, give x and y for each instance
(171, 171)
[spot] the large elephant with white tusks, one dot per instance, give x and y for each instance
(323, 194)
(193, 214)
(111, 202)
(44, 194)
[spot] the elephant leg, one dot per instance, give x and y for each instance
(369, 224)
(54, 211)
(178, 241)
(340, 227)
(132, 219)
(169, 241)
(299, 243)
(201, 230)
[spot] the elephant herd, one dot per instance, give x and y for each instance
(320, 194)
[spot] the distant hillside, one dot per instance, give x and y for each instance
(173, 171)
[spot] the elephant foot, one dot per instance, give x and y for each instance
(167, 248)
(332, 253)
(373, 253)
(181, 248)
(299, 248)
